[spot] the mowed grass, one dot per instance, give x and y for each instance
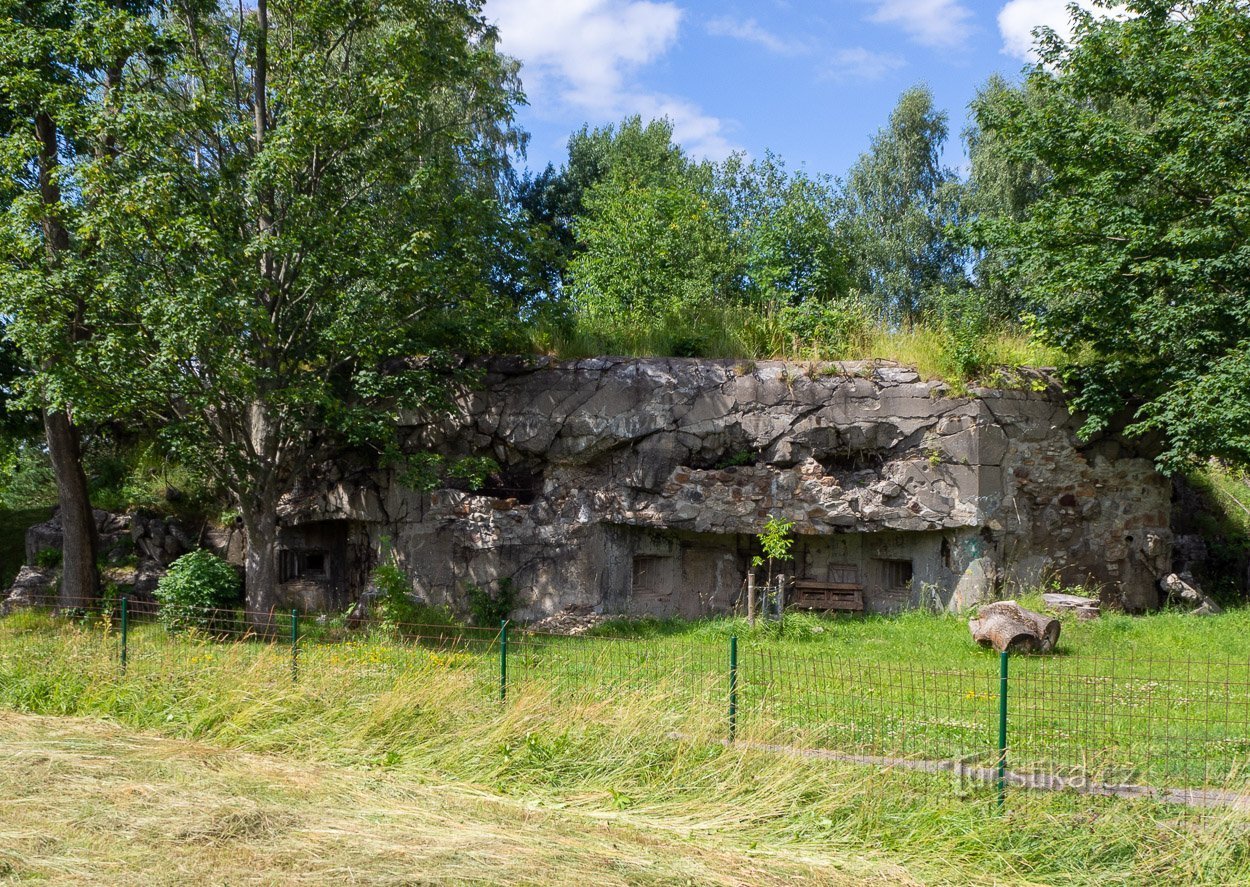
(85, 802)
(645, 755)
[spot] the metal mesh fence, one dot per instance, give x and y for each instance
(1175, 730)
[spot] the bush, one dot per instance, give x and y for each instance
(48, 558)
(197, 585)
(397, 611)
(488, 609)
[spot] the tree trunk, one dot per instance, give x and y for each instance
(1006, 626)
(261, 570)
(80, 578)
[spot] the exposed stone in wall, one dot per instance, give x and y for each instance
(605, 461)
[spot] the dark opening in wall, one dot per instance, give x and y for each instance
(519, 482)
(313, 563)
(896, 575)
(732, 457)
(648, 573)
(845, 461)
(302, 565)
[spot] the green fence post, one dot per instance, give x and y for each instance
(125, 631)
(294, 646)
(503, 660)
(1002, 729)
(733, 687)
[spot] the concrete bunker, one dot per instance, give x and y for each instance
(638, 486)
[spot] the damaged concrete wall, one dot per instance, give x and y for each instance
(638, 486)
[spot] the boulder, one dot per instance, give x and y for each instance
(1084, 607)
(1008, 627)
(110, 527)
(33, 586)
(1181, 590)
(160, 539)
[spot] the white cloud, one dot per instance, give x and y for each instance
(701, 134)
(943, 24)
(587, 46)
(1018, 18)
(753, 32)
(582, 55)
(858, 63)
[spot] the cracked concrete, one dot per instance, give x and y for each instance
(873, 465)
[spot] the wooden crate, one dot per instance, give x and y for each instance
(809, 594)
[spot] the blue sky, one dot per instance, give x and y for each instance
(810, 80)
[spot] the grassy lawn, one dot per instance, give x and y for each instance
(630, 732)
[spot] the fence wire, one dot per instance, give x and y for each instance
(1111, 725)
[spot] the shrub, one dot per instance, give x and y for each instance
(196, 585)
(488, 609)
(48, 558)
(965, 321)
(397, 611)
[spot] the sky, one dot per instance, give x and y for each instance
(807, 79)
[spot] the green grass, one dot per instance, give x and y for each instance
(87, 802)
(590, 725)
(741, 333)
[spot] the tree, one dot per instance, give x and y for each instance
(64, 74)
(999, 187)
(1136, 247)
(900, 198)
(652, 233)
(783, 225)
(309, 213)
(555, 199)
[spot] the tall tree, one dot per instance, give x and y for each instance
(784, 230)
(1137, 247)
(555, 199)
(900, 198)
(651, 232)
(64, 75)
(313, 207)
(1000, 187)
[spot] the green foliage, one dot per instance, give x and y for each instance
(1000, 186)
(429, 471)
(653, 240)
(397, 611)
(394, 605)
(1135, 245)
(197, 585)
(287, 274)
(64, 76)
(126, 476)
(48, 558)
(963, 316)
(488, 608)
(651, 237)
(742, 457)
(776, 542)
(900, 198)
(1222, 519)
(28, 481)
(782, 227)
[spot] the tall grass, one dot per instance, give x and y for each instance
(746, 333)
(431, 717)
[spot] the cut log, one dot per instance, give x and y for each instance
(1006, 626)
